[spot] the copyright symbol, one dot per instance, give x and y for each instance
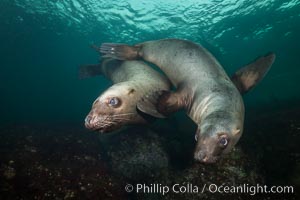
(129, 188)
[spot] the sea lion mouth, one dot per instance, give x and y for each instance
(106, 129)
(99, 123)
(107, 123)
(204, 158)
(104, 126)
(209, 160)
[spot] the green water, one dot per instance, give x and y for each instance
(46, 153)
(44, 42)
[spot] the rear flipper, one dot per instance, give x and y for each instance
(95, 47)
(119, 51)
(159, 104)
(249, 76)
(87, 71)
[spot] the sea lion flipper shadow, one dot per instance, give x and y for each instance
(249, 76)
(87, 71)
(159, 104)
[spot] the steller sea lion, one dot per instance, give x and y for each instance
(204, 90)
(116, 106)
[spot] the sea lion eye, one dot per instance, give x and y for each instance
(113, 101)
(223, 141)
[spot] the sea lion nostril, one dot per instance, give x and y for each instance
(205, 159)
(196, 137)
(87, 120)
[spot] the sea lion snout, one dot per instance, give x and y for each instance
(96, 122)
(205, 154)
(205, 157)
(87, 122)
(211, 144)
(92, 121)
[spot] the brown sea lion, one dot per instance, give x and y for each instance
(116, 106)
(203, 89)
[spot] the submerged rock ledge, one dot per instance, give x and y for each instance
(67, 162)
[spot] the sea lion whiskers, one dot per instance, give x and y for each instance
(122, 114)
(122, 117)
(112, 120)
(111, 123)
(103, 125)
(104, 121)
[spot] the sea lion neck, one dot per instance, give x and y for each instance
(200, 108)
(196, 111)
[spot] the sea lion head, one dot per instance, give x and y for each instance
(216, 137)
(113, 108)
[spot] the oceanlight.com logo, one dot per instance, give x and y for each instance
(250, 189)
(210, 188)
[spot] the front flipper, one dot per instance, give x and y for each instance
(247, 77)
(87, 71)
(119, 51)
(159, 104)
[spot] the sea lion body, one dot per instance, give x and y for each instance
(197, 75)
(204, 90)
(208, 95)
(116, 106)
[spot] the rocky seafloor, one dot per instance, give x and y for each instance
(64, 161)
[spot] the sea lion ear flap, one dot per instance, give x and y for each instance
(247, 77)
(87, 71)
(236, 131)
(131, 91)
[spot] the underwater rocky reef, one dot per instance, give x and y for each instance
(67, 162)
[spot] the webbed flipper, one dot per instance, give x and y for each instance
(159, 104)
(119, 51)
(249, 76)
(148, 104)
